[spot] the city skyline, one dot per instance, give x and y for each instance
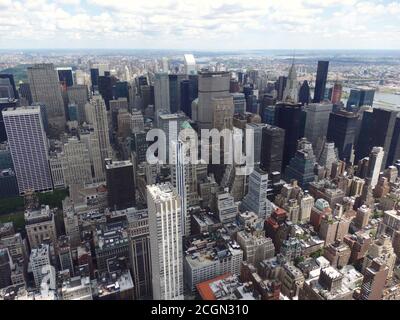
(226, 25)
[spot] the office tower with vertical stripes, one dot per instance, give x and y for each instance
(29, 149)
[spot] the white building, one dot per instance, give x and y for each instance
(165, 241)
(190, 64)
(40, 263)
(375, 164)
(28, 147)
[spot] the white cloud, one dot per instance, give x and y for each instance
(198, 24)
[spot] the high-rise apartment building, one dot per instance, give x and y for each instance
(165, 241)
(29, 148)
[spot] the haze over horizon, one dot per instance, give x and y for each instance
(184, 25)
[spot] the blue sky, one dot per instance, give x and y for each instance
(201, 25)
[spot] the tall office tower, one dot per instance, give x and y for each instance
(94, 78)
(65, 77)
(304, 93)
(360, 97)
(257, 141)
(98, 115)
(337, 92)
(167, 122)
(28, 146)
(316, 125)
(291, 92)
(6, 89)
(56, 169)
(137, 121)
(45, 88)
(91, 140)
(280, 87)
(25, 92)
(164, 65)
(121, 90)
(76, 163)
(239, 103)
(139, 253)
(120, 184)
(189, 92)
(256, 198)
(382, 123)
(78, 94)
(190, 64)
(40, 261)
(289, 117)
(320, 81)
(141, 81)
(211, 85)
(165, 242)
(301, 166)
(105, 85)
(174, 81)
(179, 178)
(222, 108)
(6, 76)
(5, 103)
(374, 280)
(161, 93)
(375, 164)
(342, 130)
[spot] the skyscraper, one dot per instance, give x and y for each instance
(316, 125)
(65, 76)
(165, 242)
(380, 122)
(10, 78)
(161, 93)
(291, 92)
(290, 117)
(342, 129)
(28, 146)
(190, 64)
(256, 198)
(78, 94)
(272, 143)
(45, 88)
(105, 85)
(211, 85)
(337, 92)
(189, 92)
(304, 93)
(375, 164)
(320, 82)
(97, 115)
(301, 166)
(120, 184)
(360, 97)
(175, 91)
